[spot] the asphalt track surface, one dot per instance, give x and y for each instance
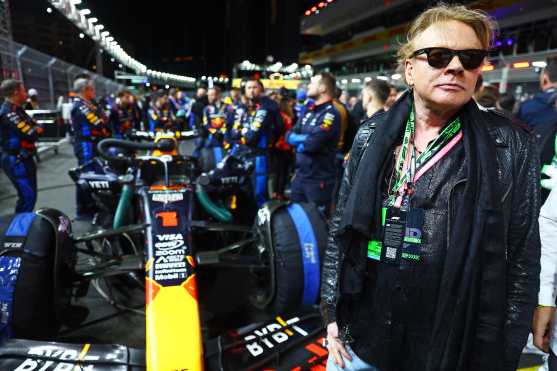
(104, 323)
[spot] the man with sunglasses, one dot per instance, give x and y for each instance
(434, 254)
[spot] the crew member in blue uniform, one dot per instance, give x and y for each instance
(90, 125)
(181, 109)
(177, 100)
(121, 117)
(135, 112)
(18, 133)
(301, 103)
(160, 113)
(540, 112)
(235, 96)
(255, 129)
(218, 118)
(315, 137)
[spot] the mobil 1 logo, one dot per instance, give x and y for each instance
(170, 264)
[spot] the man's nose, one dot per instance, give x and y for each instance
(455, 65)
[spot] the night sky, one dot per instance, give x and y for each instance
(188, 37)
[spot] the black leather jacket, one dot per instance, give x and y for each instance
(518, 184)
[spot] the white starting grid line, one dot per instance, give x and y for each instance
(43, 147)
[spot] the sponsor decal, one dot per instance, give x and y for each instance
(169, 241)
(166, 158)
(309, 253)
(67, 359)
(168, 218)
(9, 271)
(263, 215)
(217, 122)
(12, 245)
(260, 115)
(326, 125)
(229, 180)
(170, 257)
(272, 335)
(167, 197)
(98, 184)
(64, 224)
(169, 245)
(256, 125)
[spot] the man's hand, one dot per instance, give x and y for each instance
(542, 326)
(335, 346)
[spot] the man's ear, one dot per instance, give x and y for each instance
(323, 89)
(545, 79)
(409, 72)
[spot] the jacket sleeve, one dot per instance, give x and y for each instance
(262, 119)
(204, 127)
(230, 117)
(92, 118)
(296, 128)
(548, 236)
(114, 122)
(332, 261)
(22, 128)
(235, 131)
(523, 255)
(153, 120)
(323, 133)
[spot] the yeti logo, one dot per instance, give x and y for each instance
(99, 184)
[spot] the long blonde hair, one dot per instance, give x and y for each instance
(482, 24)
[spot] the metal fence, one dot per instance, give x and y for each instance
(50, 76)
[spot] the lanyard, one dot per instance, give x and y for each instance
(435, 151)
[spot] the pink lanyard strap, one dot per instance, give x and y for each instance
(428, 165)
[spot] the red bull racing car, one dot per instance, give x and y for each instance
(173, 230)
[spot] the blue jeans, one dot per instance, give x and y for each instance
(356, 365)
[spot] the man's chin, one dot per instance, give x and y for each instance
(451, 99)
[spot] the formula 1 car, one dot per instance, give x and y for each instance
(154, 234)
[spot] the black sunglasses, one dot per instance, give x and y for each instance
(441, 57)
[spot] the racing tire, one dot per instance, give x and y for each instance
(289, 263)
(209, 158)
(32, 299)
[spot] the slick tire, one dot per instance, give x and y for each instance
(289, 269)
(33, 298)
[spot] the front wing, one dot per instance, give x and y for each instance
(289, 343)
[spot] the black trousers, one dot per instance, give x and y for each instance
(552, 361)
